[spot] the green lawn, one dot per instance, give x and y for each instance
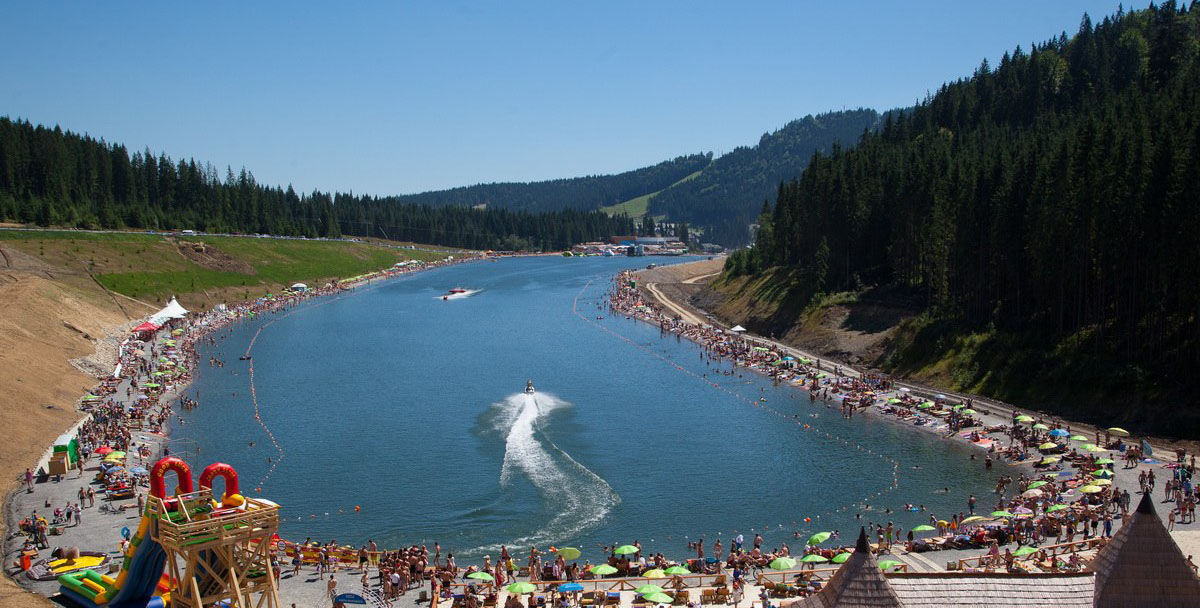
(635, 208)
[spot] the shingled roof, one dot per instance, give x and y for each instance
(994, 590)
(1142, 566)
(859, 583)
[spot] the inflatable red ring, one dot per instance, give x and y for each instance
(224, 471)
(161, 468)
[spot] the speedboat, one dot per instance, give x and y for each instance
(456, 290)
(529, 387)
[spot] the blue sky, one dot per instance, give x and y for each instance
(396, 97)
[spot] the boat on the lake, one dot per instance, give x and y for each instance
(529, 387)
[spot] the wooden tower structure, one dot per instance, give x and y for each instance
(217, 554)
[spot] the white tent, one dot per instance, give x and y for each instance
(738, 328)
(299, 287)
(172, 311)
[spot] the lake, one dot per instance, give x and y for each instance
(411, 408)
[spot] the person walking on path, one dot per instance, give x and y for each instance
(28, 481)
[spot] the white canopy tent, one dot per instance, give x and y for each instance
(738, 328)
(172, 311)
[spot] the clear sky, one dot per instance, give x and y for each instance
(397, 97)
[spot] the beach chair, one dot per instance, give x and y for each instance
(682, 598)
(588, 599)
(708, 597)
(720, 581)
(722, 597)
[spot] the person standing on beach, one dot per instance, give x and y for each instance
(971, 504)
(28, 481)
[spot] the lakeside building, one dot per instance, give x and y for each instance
(1140, 566)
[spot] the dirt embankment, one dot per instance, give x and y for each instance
(55, 335)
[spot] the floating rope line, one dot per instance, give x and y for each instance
(760, 405)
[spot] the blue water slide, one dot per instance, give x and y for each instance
(145, 568)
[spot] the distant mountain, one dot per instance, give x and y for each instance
(582, 193)
(727, 196)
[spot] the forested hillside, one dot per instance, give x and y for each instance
(726, 197)
(50, 177)
(583, 193)
(1047, 212)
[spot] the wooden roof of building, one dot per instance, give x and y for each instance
(995, 590)
(859, 583)
(1142, 566)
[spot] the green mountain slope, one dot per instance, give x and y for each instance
(1046, 212)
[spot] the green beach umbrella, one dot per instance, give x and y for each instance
(625, 550)
(1091, 489)
(1037, 484)
(481, 576)
(678, 570)
(1118, 431)
(158, 373)
(1094, 448)
(925, 528)
(150, 385)
(1041, 427)
(90, 397)
(783, 563)
(818, 538)
(569, 553)
(893, 400)
(521, 588)
(970, 519)
(1024, 418)
(958, 407)
(841, 558)
(658, 598)
(1002, 514)
(1053, 508)
(603, 569)
(1049, 445)
(644, 589)
(1103, 473)
(927, 404)
(969, 411)
(1023, 551)
(1105, 461)
(813, 558)
(655, 573)
(888, 564)
(1051, 459)
(1102, 482)
(1078, 438)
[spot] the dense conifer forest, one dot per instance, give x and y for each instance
(50, 177)
(1054, 197)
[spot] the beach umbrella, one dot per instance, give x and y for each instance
(177, 332)
(1034, 493)
(925, 405)
(957, 407)
(102, 450)
(1053, 508)
(648, 588)
(481, 576)
(893, 400)
(969, 411)
(1118, 431)
(139, 470)
(658, 598)
(521, 588)
(1078, 438)
(924, 528)
(1037, 484)
(1023, 551)
(1102, 482)
(1105, 461)
(783, 563)
(1094, 448)
(789, 358)
(1105, 473)
(570, 587)
(841, 558)
(1091, 489)
(677, 570)
(625, 550)
(90, 397)
(603, 569)
(1002, 514)
(818, 538)
(1051, 459)
(1024, 418)
(888, 564)
(1041, 427)
(150, 385)
(655, 573)
(569, 553)
(1059, 433)
(761, 349)
(813, 558)
(1049, 445)
(968, 520)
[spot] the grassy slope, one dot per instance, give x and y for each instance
(1078, 377)
(635, 208)
(150, 267)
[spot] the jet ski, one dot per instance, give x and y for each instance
(529, 387)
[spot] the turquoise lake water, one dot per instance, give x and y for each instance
(411, 407)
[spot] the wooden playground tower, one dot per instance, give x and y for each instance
(217, 555)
